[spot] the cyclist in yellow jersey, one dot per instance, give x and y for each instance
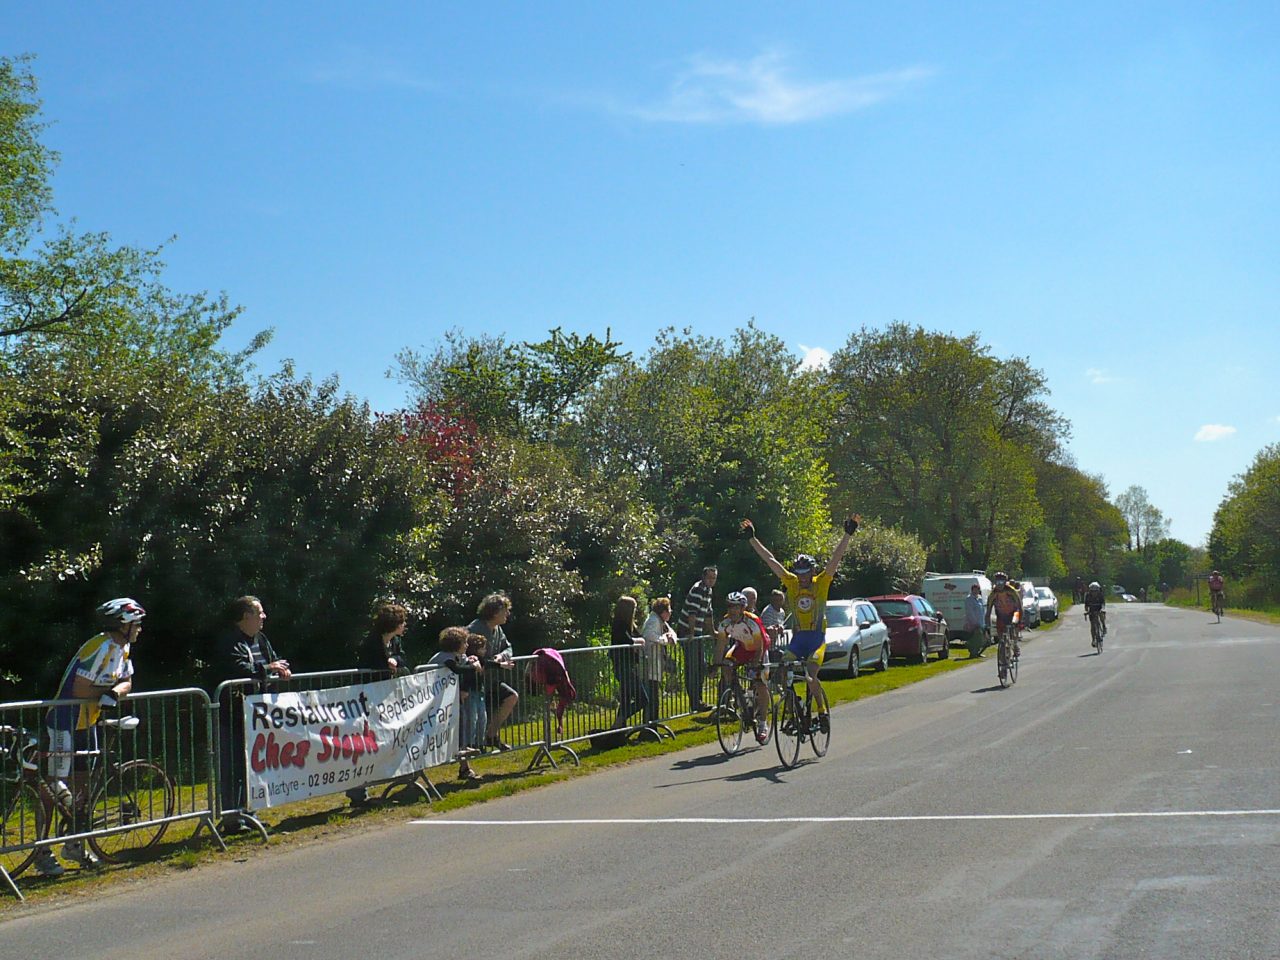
(807, 594)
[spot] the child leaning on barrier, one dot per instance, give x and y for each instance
(471, 686)
(453, 656)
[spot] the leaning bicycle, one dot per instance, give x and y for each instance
(795, 713)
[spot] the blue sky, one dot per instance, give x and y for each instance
(1092, 185)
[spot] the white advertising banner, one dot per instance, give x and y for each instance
(312, 742)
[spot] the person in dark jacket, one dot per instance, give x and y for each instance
(381, 655)
(242, 652)
(625, 645)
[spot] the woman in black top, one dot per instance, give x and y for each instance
(625, 655)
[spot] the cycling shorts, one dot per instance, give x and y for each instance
(70, 750)
(809, 645)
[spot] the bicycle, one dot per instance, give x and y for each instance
(1216, 602)
(1007, 658)
(1096, 633)
(133, 799)
(22, 804)
(736, 712)
(794, 716)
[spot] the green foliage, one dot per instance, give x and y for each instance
(713, 432)
(880, 560)
(530, 390)
(1088, 529)
(25, 163)
(936, 435)
(1245, 540)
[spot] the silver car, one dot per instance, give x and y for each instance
(1048, 603)
(856, 638)
(1030, 605)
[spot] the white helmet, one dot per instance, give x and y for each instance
(1095, 585)
(121, 611)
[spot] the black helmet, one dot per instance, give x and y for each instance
(804, 564)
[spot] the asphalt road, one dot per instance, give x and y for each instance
(1113, 806)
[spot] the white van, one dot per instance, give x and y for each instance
(946, 591)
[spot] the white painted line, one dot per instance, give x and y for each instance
(941, 818)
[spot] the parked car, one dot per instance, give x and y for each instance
(916, 629)
(1117, 590)
(946, 592)
(856, 638)
(1128, 598)
(1048, 603)
(1030, 605)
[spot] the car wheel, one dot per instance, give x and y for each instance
(883, 663)
(851, 671)
(923, 655)
(945, 652)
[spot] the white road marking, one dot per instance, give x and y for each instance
(941, 818)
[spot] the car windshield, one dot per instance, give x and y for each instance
(894, 608)
(1044, 593)
(839, 616)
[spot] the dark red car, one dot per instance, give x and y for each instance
(915, 628)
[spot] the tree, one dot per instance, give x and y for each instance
(712, 432)
(532, 390)
(1245, 539)
(936, 435)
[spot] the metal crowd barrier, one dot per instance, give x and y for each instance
(174, 755)
(151, 766)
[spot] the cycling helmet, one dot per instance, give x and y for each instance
(1215, 574)
(804, 564)
(120, 611)
(736, 599)
(1095, 585)
(1001, 575)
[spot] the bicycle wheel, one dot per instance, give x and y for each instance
(1013, 670)
(787, 730)
(819, 739)
(730, 721)
(1002, 661)
(21, 822)
(137, 792)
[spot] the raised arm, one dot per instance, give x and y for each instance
(748, 530)
(850, 527)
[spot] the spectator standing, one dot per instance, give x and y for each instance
(697, 616)
(975, 616)
(382, 653)
(753, 597)
(243, 652)
(774, 615)
(625, 647)
(658, 636)
(99, 675)
(494, 611)
(453, 656)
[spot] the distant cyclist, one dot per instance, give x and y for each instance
(1006, 601)
(748, 647)
(1095, 603)
(1217, 592)
(807, 596)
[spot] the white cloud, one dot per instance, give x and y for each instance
(1214, 431)
(815, 358)
(760, 90)
(1097, 375)
(358, 69)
